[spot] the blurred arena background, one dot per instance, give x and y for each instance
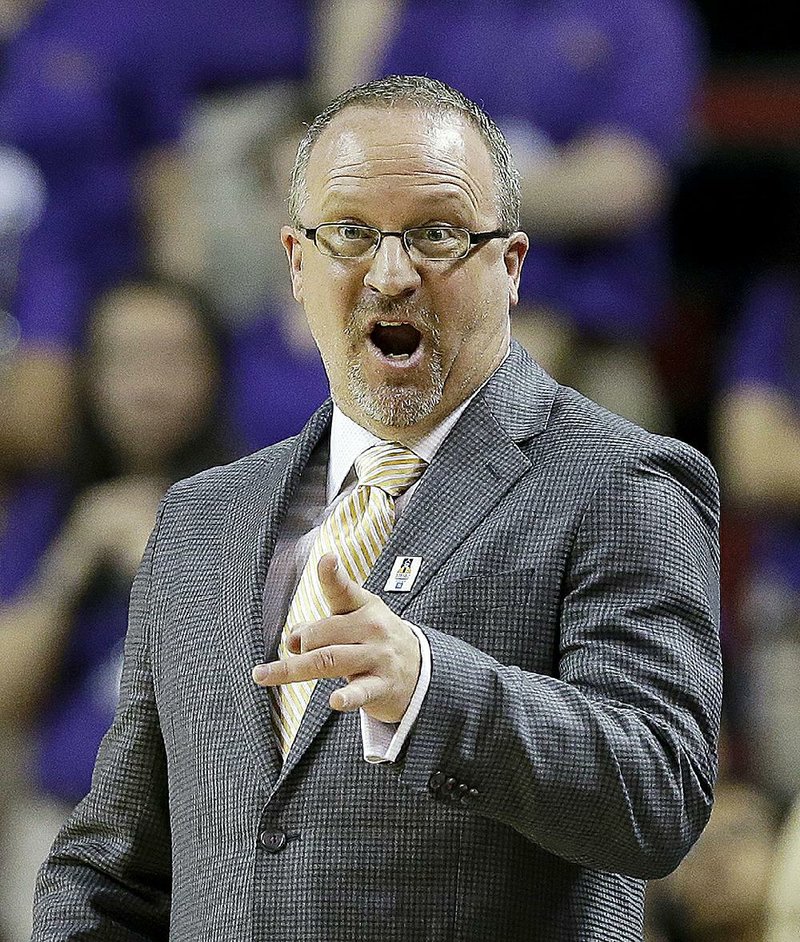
(147, 329)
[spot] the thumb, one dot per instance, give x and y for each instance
(343, 594)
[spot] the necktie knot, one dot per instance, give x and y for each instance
(390, 466)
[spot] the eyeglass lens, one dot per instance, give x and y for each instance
(430, 242)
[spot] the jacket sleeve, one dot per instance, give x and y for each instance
(611, 762)
(108, 874)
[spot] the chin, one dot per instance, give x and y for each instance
(393, 406)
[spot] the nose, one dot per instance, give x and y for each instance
(392, 272)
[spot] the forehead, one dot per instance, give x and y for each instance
(372, 160)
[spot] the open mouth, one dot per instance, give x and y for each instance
(396, 340)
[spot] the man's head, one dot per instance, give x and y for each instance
(407, 329)
(433, 98)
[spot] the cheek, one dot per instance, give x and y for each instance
(320, 274)
(468, 307)
(328, 334)
(195, 393)
(329, 303)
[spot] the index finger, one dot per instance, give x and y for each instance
(335, 629)
(338, 660)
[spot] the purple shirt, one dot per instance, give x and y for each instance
(81, 706)
(88, 86)
(84, 694)
(551, 71)
(765, 351)
(272, 387)
(32, 512)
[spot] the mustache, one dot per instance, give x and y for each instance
(392, 309)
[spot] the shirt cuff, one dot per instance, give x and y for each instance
(383, 741)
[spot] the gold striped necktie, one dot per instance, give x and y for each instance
(356, 532)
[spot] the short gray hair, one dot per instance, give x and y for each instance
(426, 94)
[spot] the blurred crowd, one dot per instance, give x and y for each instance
(147, 330)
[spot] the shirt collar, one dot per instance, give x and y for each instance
(349, 440)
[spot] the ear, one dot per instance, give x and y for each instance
(514, 256)
(294, 253)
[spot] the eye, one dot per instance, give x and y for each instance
(353, 233)
(436, 234)
(345, 240)
(439, 241)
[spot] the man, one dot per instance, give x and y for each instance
(538, 701)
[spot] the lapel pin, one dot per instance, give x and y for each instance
(404, 572)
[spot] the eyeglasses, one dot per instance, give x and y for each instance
(424, 243)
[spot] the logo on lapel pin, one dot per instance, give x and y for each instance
(404, 572)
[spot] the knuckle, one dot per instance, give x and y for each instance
(325, 659)
(376, 625)
(394, 664)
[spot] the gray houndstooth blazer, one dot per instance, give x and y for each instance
(565, 751)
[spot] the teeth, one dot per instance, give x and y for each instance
(397, 356)
(390, 323)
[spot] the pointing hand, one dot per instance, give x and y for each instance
(362, 640)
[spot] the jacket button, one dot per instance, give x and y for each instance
(458, 793)
(272, 841)
(435, 782)
(449, 787)
(468, 798)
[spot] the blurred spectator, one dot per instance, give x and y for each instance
(274, 374)
(275, 378)
(351, 36)
(595, 98)
(28, 504)
(22, 197)
(21, 201)
(150, 386)
(719, 892)
(758, 445)
(783, 915)
(13, 16)
(239, 153)
(97, 93)
(31, 509)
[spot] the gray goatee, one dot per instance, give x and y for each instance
(396, 406)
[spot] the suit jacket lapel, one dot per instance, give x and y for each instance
(476, 465)
(250, 536)
(318, 712)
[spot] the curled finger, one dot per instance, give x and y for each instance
(360, 692)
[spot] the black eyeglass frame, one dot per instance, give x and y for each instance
(475, 238)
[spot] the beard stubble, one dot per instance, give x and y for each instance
(395, 405)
